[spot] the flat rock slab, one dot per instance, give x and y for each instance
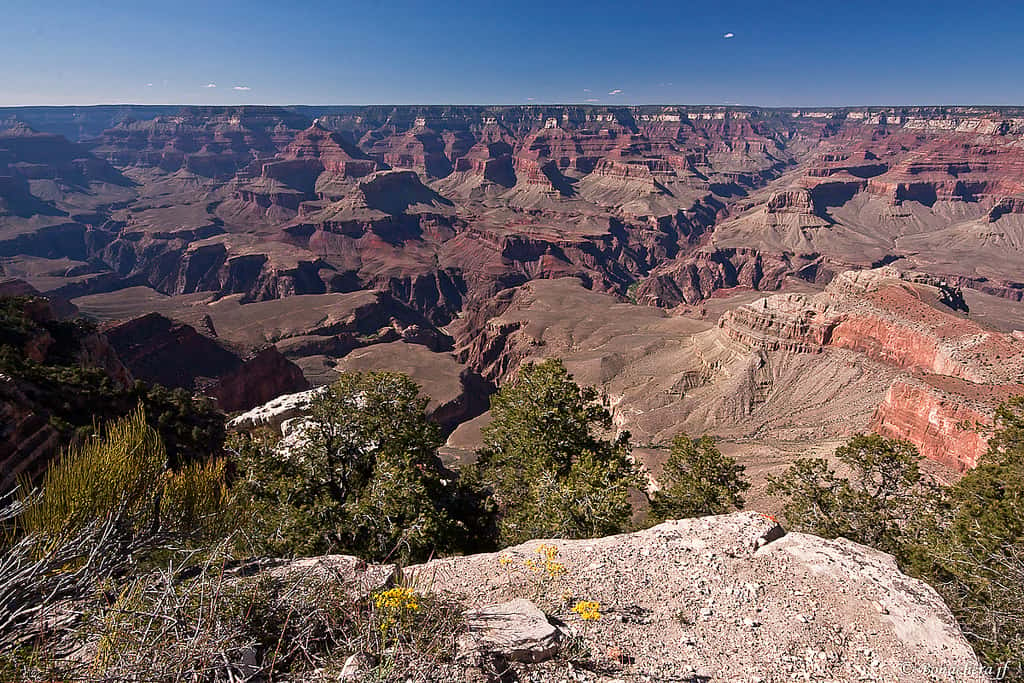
(731, 597)
(516, 629)
(273, 413)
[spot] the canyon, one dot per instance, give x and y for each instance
(778, 278)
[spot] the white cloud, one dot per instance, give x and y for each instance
(149, 85)
(729, 35)
(530, 99)
(242, 87)
(617, 91)
(586, 90)
(210, 85)
(593, 99)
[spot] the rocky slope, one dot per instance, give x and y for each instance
(162, 351)
(38, 348)
(876, 350)
(718, 598)
(953, 370)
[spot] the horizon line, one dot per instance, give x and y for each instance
(521, 104)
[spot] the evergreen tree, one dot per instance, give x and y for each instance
(977, 551)
(698, 480)
(363, 478)
(874, 505)
(550, 460)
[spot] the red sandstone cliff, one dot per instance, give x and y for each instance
(956, 371)
(944, 425)
(163, 351)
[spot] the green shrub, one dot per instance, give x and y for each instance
(194, 498)
(547, 455)
(122, 469)
(106, 508)
(698, 480)
(122, 474)
(364, 478)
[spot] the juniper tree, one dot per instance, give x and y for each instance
(364, 478)
(698, 480)
(551, 461)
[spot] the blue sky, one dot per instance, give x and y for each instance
(398, 52)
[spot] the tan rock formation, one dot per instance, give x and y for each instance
(727, 598)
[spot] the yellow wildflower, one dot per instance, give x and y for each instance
(554, 568)
(549, 552)
(588, 610)
(397, 600)
(396, 606)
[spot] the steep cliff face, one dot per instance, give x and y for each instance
(265, 376)
(167, 352)
(163, 351)
(795, 208)
(891, 317)
(208, 142)
(785, 322)
(697, 276)
(943, 424)
(27, 440)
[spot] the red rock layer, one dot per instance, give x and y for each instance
(261, 378)
(942, 426)
(957, 370)
(171, 353)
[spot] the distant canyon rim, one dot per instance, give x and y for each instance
(777, 278)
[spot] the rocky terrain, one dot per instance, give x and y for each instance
(731, 598)
(279, 246)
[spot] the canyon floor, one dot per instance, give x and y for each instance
(779, 279)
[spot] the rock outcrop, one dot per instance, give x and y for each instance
(732, 597)
(698, 276)
(258, 379)
(274, 413)
(516, 630)
(944, 422)
(163, 351)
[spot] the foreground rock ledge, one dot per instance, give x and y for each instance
(733, 598)
(726, 598)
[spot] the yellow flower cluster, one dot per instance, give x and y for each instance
(588, 611)
(547, 562)
(397, 600)
(551, 566)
